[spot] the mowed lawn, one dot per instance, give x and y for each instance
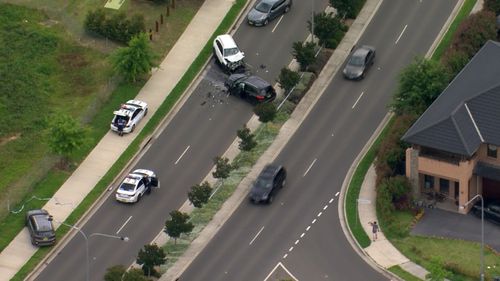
(49, 65)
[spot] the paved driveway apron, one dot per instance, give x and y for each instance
(447, 224)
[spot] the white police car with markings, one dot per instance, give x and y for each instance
(130, 113)
(135, 185)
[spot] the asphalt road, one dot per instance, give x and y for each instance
(182, 155)
(301, 229)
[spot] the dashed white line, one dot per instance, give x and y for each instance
(403, 31)
(296, 241)
(354, 105)
(310, 166)
(337, 194)
(309, 227)
(291, 249)
(319, 214)
(286, 255)
(185, 150)
(123, 225)
(256, 235)
(302, 235)
(277, 24)
(324, 208)
(330, 202)
(314, 220)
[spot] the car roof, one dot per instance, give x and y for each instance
(42, 221)
(127, 109)
(132, 179)
(227, 41)
(363, 50)
(269, 171)
(257, 82)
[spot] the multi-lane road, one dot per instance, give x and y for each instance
(203, 128)
(301, 229)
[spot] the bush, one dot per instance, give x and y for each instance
(288, 79)
(329, 29)
(304, 53)
(348, 8)
(302, 87)
(116, 27)
(493, 6)
(265, 111)
(393, 193)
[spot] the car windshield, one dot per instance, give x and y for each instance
(231, 52)
(43, 224)
(263, 7)
(127, 187)
(356, 60)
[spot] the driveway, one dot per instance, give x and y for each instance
(443, 223)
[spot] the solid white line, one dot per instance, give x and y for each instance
(314, 220)
(291, 249)
(302, 235)
(309, 227)
(277, 23)
(319, 214)
(296, 242)
(288, 272)
(324, 208)
(120, 229)
(185, 150)
(401, 34)
(354, 105)
(337, 194)
(330, 202)
(310, 166)
(256, 235)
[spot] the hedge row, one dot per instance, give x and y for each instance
(116, 27)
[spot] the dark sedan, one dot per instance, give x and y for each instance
(359, 62)
(40, 227)
(491, 211)
(251, 88)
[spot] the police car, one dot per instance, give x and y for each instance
(135, 185)
(130, 113)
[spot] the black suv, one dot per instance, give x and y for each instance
(250, 87)
(491, 210)
(40, 226)
(270, 180)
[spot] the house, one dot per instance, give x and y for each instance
(454, 151)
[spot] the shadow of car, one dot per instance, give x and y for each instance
(359, 62)
(491, 211)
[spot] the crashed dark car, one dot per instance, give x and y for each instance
(270, 180)
(250, 87)
(359, 62)
(39, 224)
(491, 211)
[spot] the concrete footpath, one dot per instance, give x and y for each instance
(111, 146)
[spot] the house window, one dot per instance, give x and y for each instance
(492, 151)
(428, 183)
(444, 186)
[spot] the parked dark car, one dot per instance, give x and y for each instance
(250, 87)
(266, 10)
(491, 210)
(270, 180)
(40, 227)
(359, 62)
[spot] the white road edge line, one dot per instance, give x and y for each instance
(354, 105)
(277, 23)
(256, 235)
(185, 150)
(310, 166)
(397, 40)
(123, 225)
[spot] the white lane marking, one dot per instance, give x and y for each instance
(332, 134)
(309, 227)
(310, 166)
(296, 241)
(319, 214)
(277, 23)
(314, 220)
(397, 40)
(354, 105)
(185, 150)
(302, 235)
(330, 202)
(284, 257)
(123, 225)
(337, 194)
(324, 208)
(256, 235)
(291, 249)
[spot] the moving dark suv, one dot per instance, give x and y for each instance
(270, 180)
(250, 87)
(40, 226)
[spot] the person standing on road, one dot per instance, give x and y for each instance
(375, 229)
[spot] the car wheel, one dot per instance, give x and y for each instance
(266, 21)
(287, 8)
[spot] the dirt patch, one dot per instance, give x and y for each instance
(8, 139)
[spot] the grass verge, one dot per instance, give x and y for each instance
(165, 107)
(403, 273)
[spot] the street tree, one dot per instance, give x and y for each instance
(222, 168)
(329, 29)
(199, 194)
(265, 111)
(420, 84)
(304, 53)
(178, 224)
(149, 257)
(288, 79)
(348, 8)
(135, 60)
(67, 135)
(247, 139)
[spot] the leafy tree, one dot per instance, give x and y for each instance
(120, 273)
(247, 141)
(348, 8)
(288, 79)
(304, 53)
(149, 257)
(66, 135)
(222, 168)
(329, 29)
(492, 5)
(265, 111)
(94, 21)
(420, 84)
(199, 194)
(178, 224)
(135, 60)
